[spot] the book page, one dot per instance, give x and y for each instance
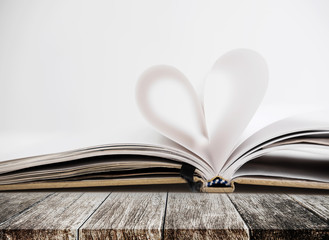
(306, 163)
(110, 154)
(123, 165)
(316, 121)
(210, 127)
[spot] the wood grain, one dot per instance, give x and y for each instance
(316, 203)
(56, 217)
(12, 203)
(154, 215)
(202, 216)
(133, 215)
(277, 216)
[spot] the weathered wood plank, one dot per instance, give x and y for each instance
(276, 216)
(202, 216)
(57, 217)
(319, 204)
(13, 203)
(133, 215)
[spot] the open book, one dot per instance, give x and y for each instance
(199, 139)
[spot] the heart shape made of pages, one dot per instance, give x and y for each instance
(232, 92)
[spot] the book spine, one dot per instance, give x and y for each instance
(218, 182)
(196, 184)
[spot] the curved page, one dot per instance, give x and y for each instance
(301, 162)
(316, 122)
(303, 152)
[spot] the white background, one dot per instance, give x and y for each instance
(67, 66)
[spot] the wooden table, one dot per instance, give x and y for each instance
(164, 213)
